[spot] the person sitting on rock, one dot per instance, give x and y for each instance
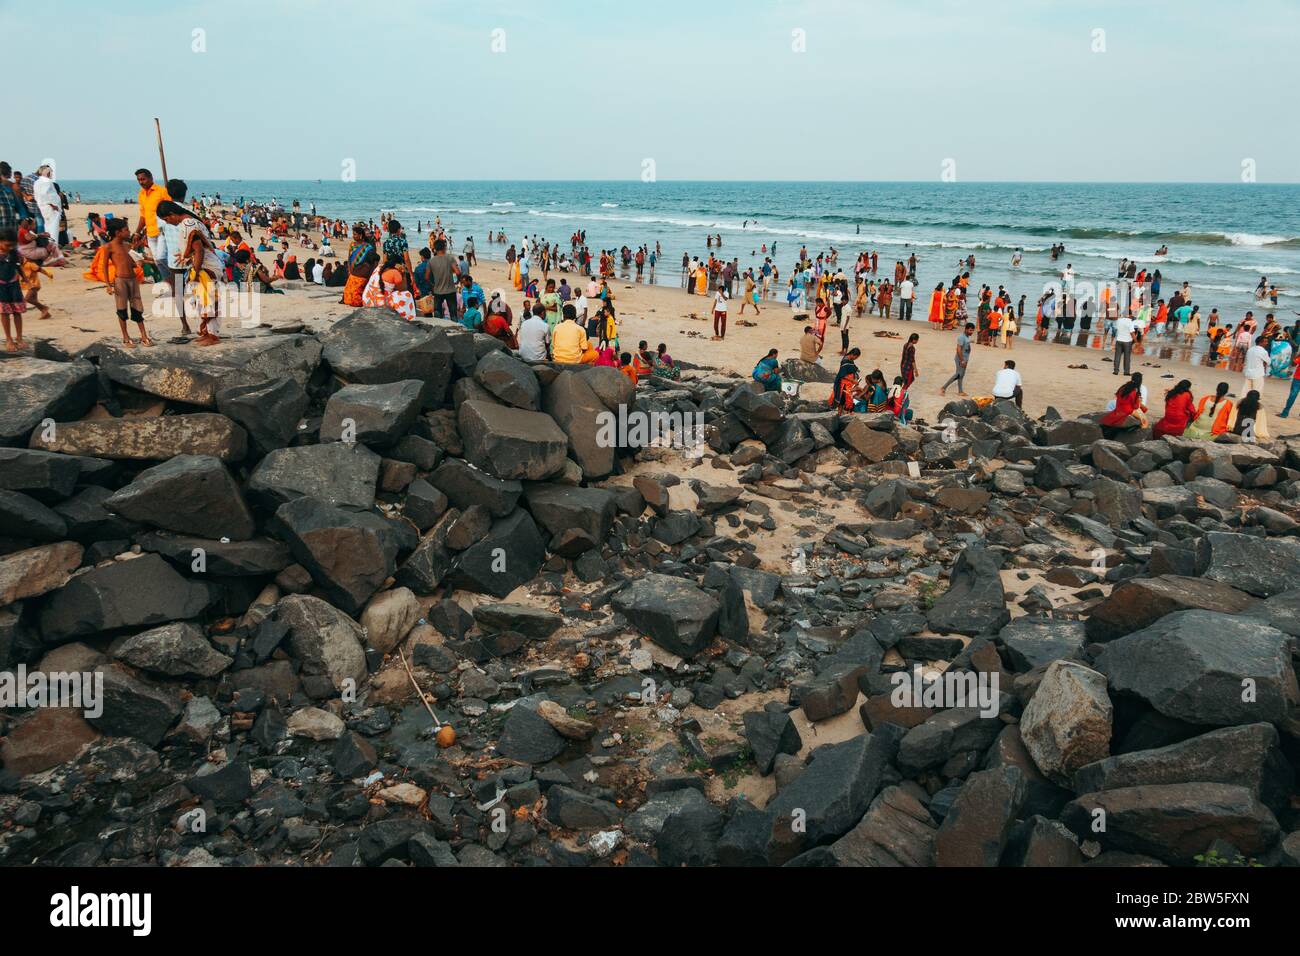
(1129, 412)
(768, 372)
(899, 403)
(627, 368)
(810, 346)
(498, 325)
(1180, 409)
(644, 360)
(844, 391)
(569, 340)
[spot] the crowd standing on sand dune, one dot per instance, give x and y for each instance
(194, 250)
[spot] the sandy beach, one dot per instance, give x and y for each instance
(82, 314)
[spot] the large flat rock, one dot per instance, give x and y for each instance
(1140, 602)
(32, 390)
(335, 473)
(376, 346)
(149, 438)
(510, 442)
(674, 613)
(135, 593)
(1206, 668)
(188, 494)
(194, 376)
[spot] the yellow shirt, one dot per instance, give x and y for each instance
(148, 203)
(568, 342)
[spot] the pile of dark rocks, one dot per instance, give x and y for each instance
(288, 561)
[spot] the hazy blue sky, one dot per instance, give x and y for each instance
(709, 89)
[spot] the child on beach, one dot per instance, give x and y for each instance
(1009, 329)
(1192, 327)
(12, 302)
(198, 258)
(603, 355)
(610, 328)
(1222, 341)
(628, 368)
(123, 284)
(30, 278)
(472, 318)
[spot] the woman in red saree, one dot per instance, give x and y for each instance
(1179, 411)
(1128, 411)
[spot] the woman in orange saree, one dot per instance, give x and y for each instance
(358, 267)
(358, 276)
(936, 305)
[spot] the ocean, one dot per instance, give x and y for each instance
(1222, 237)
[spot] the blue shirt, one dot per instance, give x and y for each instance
(422, 282)
(472, 319)
(475, 291)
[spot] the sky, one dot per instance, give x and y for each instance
(883, 90)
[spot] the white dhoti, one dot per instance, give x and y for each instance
(53, 217)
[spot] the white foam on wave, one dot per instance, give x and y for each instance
(452, 209)
(994, 246)
(1251, 239)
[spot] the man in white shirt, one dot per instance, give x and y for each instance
(1008, 384)
(48, 202)
(1256, 367)
(720, 314)
(534, 334)
(1123, 343)
(318, 273)
(906, 295)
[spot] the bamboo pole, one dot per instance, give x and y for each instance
(162, 157)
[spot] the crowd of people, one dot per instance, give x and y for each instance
(33, 233)
(191, 249)
(1206, 418)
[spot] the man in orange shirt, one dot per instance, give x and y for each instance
(151, 194)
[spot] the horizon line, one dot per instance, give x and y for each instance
(841, 182)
